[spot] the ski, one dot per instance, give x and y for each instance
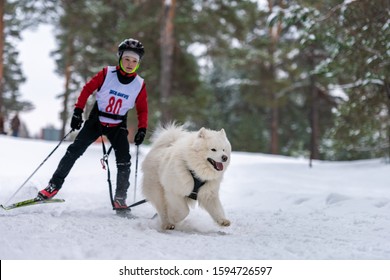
(29, 202)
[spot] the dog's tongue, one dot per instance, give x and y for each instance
(219, 166)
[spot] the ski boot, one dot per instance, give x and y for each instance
(47, 193)
(122, 209)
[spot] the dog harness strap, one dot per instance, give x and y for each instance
(197, 184)
(112, 116)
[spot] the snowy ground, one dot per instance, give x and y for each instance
(279, 207)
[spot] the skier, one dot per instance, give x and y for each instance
(118, 89)
(15, 125)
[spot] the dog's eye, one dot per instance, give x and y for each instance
(214, 150)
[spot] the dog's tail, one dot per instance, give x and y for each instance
(165, 136)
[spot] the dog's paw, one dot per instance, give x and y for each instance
(224, 222)
(168, 226)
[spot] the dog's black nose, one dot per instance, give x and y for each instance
(224, 158)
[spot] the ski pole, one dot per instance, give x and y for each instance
(136, 172)
(38, 167)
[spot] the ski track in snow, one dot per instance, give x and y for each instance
(279, 208)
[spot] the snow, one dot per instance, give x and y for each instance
(280, 209)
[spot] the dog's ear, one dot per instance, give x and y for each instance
(222, 131)
(202, 133)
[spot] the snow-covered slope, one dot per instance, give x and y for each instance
(279, 208)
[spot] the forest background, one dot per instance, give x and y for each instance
(296, 78)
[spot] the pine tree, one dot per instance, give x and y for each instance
(15, 17)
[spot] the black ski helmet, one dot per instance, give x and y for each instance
(131, 45)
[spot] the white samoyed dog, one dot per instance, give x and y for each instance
(179, 163)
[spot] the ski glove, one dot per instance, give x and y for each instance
(139, 136)
(77, 119)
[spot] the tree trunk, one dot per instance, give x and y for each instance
(167, 47)
(68, 76)
(274, 32)
(314, 115)
(274, 126)
(387, 91)
(64, 113)
(314, 121)
(2, 6)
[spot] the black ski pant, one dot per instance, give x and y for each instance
(91, 130)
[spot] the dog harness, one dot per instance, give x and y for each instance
(197, 184)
